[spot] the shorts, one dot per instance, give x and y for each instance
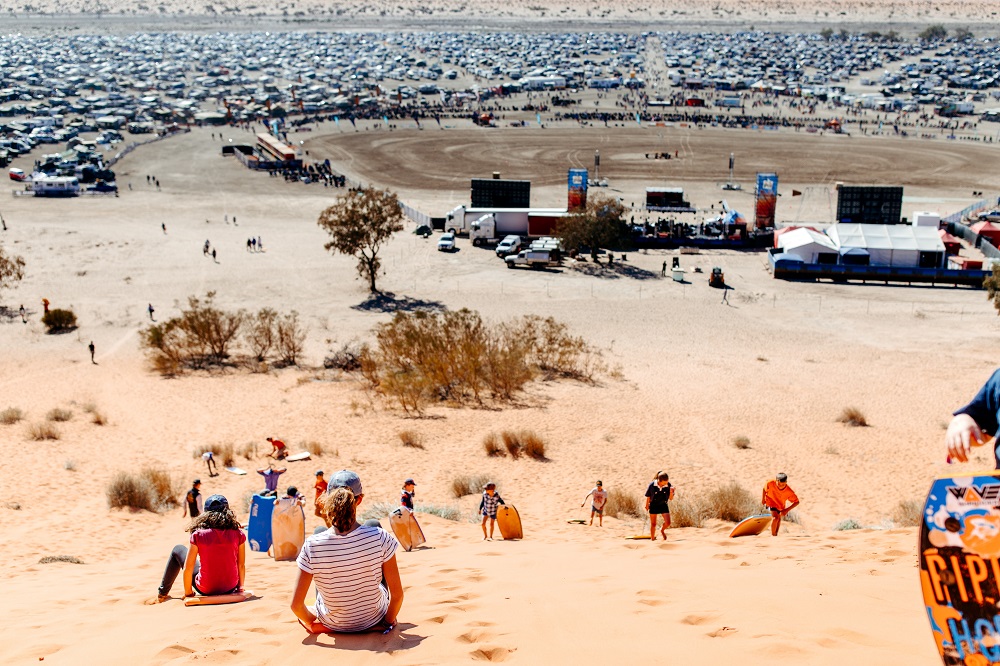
(598, 511)
(773, 510)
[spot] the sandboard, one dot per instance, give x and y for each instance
(577, 521)
(288, 529)
(406, 528)
(959, 567)
(639, 536)
(295, 457)
(509, 522)
(259, 525)
(236, 470)
(751, 526)
(216, 599)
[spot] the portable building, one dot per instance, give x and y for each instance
(808, 245)
(891, 245)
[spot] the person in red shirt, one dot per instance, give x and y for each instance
(320, 486)
(278, 451)
(777, 494)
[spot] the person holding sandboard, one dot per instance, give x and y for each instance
(777, 493)
(488, 507)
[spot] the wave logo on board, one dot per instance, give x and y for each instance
(988, 494)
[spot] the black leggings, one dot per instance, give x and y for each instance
(175, 565)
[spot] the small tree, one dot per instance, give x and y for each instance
(933, 32)
(992, 286)
(261, 334)
(359, 224)
(600, 224)
(962, 34)
(291, 338)
(11, 269)
(826, 33)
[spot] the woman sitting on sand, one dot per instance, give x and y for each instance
(354, 566)
(215, 562)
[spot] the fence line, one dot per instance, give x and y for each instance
(957, 218)
(135, 144)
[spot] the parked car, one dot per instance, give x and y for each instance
(509, 245)
(446, 243)
(17, 174)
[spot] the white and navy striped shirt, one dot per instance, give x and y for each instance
(347, 571)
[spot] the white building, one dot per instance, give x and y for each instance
(889, 244)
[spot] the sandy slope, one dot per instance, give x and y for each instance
(775, 365)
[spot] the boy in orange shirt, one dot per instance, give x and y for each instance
(777, 493)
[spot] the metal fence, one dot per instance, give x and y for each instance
(415, 215)
(974, 208)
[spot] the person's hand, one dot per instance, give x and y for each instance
(963, 433)
(317, 627)
(784, 512)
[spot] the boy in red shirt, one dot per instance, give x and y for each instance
(777, 494)
(277, 449)
(320, 486)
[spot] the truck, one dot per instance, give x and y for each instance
(730, 102)
(529, 258)
(509, 245)
(500, 222)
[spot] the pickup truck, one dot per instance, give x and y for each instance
(529, 258)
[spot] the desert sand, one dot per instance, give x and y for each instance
(776, 365)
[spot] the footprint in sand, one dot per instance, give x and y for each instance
(174, 652)
(697, 620)
(725, 556)
(491, 653)
(476, 636)
(438, 619)
(722, 633)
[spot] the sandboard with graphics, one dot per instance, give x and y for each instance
(509, 522)
(751, 526)
(259, 525)
(288, 529)
(216, 599)
(960, 567)
(406, 528)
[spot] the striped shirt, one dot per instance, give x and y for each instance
(347, 571)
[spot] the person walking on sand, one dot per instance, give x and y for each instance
(777, 494)
(352, 565)
(658, 495)
(151, 311)
(209, 458)
(408, 493)
(271, 475)
(24, 315)
(193, 501)
(599, 497)
(45, 305)
(278, 449)
(663, 271)
(488, 507)
(91, 348)
(163, 225)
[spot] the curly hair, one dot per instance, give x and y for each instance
(215, 520)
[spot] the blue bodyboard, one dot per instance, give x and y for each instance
(259, 527)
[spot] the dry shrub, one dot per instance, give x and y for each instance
(249, 450)
(260, 333)
(687, 513)
(202, 336)
(512, 442)
(59, 415)
(741, 442)
(456, 357)
(314, 448)
(11, 415)
(42, 431)
(291, 339)
(165, 489)
(908, 513)
(468, 485)
(533, 445)
(731, 502)
(68, 559)
(623, 503)
(59, 321)
(98, 418)
(491, 444)
(853, 417)
(150, 490)
(347, 358)
(412, 439)
(225, 454)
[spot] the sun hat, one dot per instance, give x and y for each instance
(216, 503)
(345, 478)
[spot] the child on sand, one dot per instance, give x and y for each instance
(408, 492)
(777, 494)
(488, 507)
(321, 486)
(209, 458)
(658, 495)
(600, 496)
(215, 562)
(278, 451)
(193, 501)
(270, 475)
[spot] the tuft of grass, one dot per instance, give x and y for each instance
(411, 439)
(11, 415)
(151, 489)
(378, 510)
(741, 442)
(441, 511)
(249, 450)
(908, 513)
(165, 489)
(98, 417)
(225, 454)
(853, 417)
(762, 359)
(13, 506)
(69, 465)
(623, 504)
(468, 485)
(59, 415)
(69, 559)
(731, 503)
(42, 431)
(687, 513)
(512, 442)
(314, 448)
(532, 445)
(831, 451)
(848, 524)
(491, 444)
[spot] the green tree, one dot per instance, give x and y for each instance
(359, 224)
(11, 269)
(600, 224)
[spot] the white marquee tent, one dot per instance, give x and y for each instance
(891, 245)
(808, 245)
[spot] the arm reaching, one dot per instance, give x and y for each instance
(963, 433)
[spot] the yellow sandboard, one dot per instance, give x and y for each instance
(216, 599)
(509, 522)
(638, 536)
(751, 526)
(288, 529)
(406, 528)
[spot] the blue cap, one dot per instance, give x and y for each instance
(216, 503)
(345, 478)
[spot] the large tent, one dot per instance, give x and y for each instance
(891, 244)
(989, 231)
(810, 246)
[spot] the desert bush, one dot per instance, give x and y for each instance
(224, 454)
(150, 490)
(512, 442)
(314, 448)
(468, 485)
(69, 465)
(908, 513)
(202, 336)
(59, 321)
(731, 502)
(42, 431)
(249, 450)
(11, 415)
(491, 444)
(848, 524)
(291, 338)
(456, 357)
(623, 503)
(347, 358)
(59, 415)
(68, 559)
(741, 442)
(260, 333)
(853, 416)
(412, 439)
(97, 417)
(686, 512)
(377, 510)
(446, 512)
(532, 445)
(165, 489)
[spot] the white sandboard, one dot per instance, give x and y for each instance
(295, 457)
(288, 529)
(236, 470)
(216, 599)
(751, 526)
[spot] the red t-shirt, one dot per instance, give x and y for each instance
(218, 552)
(278, 444)
(320, 489)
